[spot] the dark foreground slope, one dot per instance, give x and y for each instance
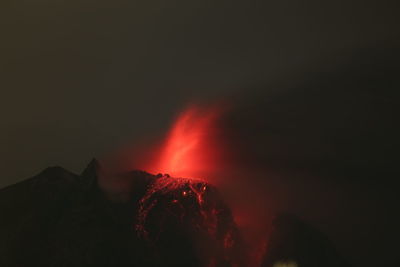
(60, 219)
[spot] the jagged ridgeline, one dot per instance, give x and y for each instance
(58, 218)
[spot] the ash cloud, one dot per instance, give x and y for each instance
(324, 147)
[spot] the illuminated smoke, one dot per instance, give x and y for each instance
(199, 145)
(191, 148)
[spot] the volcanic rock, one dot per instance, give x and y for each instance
(58, 218)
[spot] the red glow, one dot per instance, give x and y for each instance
(197, 146)
(190, 148)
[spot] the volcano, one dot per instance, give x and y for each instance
(58, 218)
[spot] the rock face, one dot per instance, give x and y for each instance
(174, 209)
(61, 219)
(58, 218)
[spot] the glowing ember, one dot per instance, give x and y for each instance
(178, 211)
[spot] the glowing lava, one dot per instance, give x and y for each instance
(190, 148)
(181, 217)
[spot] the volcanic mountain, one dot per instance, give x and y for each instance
(58, 218)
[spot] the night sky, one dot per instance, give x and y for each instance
(314, 85)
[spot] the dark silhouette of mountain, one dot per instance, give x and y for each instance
(58, 218)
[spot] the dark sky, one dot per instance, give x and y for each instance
(79, 78)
